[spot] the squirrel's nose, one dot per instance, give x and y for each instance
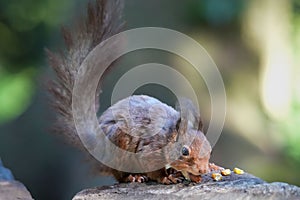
(203, 170)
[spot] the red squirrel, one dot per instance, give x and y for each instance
(104, 20)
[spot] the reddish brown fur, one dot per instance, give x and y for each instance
(197, 162)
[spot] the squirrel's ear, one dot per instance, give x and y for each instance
(182, 125)
(178, 124)
(200, 125)
(189, 113)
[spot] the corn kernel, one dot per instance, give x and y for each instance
(216, 176)
(226, 172)
(238, 171)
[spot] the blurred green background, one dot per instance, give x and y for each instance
(255, 44)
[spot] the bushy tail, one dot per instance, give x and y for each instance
(102, 21)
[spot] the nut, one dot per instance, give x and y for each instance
(238, 171)
(226, 172)
(216, 176)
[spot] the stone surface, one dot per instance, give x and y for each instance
(11, 189)
(244, 186)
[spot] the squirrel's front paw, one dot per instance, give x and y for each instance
(195, 178)
(170, 179)
(213, 167)
(137, 178)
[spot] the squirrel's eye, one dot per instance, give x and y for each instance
(185, 151)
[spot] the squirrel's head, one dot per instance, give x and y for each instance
(194, 149)
(194, 158)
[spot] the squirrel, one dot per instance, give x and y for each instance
(122, 128)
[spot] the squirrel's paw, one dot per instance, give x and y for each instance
(195, 178)
(172, 178)
(137, 178)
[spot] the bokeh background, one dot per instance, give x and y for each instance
(255, 44)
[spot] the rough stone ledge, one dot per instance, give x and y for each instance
(244, 187)
(11, 189)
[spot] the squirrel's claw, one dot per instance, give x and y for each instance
(195, 178)
(167, 180)
(137, 178)
(175, 179)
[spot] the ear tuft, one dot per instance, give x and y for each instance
(178, 124)
(182, 126)
(189, 113)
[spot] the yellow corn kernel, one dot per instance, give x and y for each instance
(238, 171)
(226, 172)
(216, 176)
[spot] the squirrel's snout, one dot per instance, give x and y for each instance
(203, 171)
